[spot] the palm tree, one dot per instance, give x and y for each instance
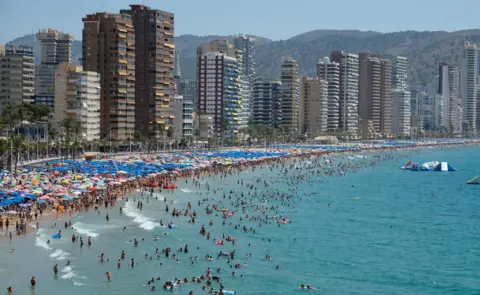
(9, 115)
(67, 124)
(24, 112)
(17, 142)
(4, 149)
(77, 133)
(162, 128)
(225, 124)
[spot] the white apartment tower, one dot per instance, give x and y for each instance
(219, 92)
(177, 73)
(448, 87)
(468, 90)
(330, 72)
(222, 46)
(77, 95)
(183, 121)
(245, 45)
(399, 71)
(349, 76)
(401, 111)
(416, 110)
(290, 94)
(56, 48)
(17, 75)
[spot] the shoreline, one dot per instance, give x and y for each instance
(156, 182)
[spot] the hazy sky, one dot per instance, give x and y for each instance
(274, 19)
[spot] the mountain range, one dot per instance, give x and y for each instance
(425, 50)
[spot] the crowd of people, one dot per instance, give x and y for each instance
(255, 205)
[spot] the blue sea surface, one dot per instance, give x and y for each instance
(381, 230)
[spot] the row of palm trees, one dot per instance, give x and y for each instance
(16, 145)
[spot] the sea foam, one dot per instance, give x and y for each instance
(85, 229)
(143, 221)
(59, 254)
(41, 240)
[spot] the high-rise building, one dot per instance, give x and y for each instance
(109, 49)
(416, 111)
(428, 109)
(448, 87)
(369, 89)
(2, 49)
(188, 89)
(246, 44)
(348, 106)
(56, 48)
(313, 107)
(267, 95)
(399, 71)
(154, 67)
(219, 91)
(330, 72)
(222, 46)
(375, 92)
(401, 111)
(438, 112)
(177, 72)
(17, 75)
(183, 122)
(77, 95)
(468, 90)
(290, 94)
(386, 97)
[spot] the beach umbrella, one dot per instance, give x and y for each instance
(67, 197)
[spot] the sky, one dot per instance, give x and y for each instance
(273, 19)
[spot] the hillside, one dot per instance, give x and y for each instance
(424, 49)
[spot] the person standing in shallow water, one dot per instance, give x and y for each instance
(33, 281)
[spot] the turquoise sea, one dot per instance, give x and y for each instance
(405, 233)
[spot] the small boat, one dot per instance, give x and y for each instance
(473, 180)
